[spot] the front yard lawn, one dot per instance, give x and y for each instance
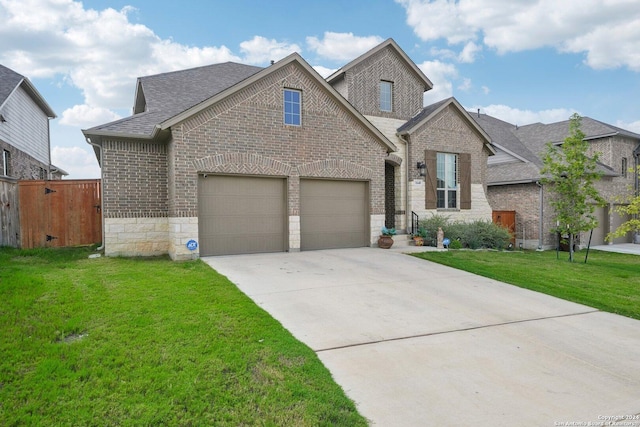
(112, 341)
(609, 281)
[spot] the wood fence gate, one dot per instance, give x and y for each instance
(9, 214)
(60, 213)
(506, 219)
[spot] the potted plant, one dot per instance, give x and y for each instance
(385, 241)
(418, 238)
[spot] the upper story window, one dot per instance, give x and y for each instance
(447, 181)
(292, 107)
(386, 96)
(624, 167)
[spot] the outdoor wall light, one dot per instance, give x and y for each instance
(422, 167)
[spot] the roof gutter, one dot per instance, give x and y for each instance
(521, 181)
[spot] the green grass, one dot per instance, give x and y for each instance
(608, 281)
(114, 341)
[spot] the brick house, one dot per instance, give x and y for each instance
(24, 130)
(244, 159)
(514, 175)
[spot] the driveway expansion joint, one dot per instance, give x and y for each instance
(472, 328)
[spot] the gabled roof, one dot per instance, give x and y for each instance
(502, 135)
(162, 96)
(164, 100)
(537, 135)
(10, 81)
(430, 111)
(530, 141)
(387, 43)
(292, 58)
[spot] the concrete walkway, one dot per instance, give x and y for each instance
(415, 343)
(622, 248)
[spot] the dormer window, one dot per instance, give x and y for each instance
(386, 96)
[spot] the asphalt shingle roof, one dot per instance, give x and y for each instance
(425, 112)
(9, 79)
(169, 94)
(530, 143)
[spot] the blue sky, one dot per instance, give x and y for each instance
(522, 61)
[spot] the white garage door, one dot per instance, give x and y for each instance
(240, 215)
(333, 214)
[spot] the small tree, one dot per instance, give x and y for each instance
(573, 175)
(631, 208)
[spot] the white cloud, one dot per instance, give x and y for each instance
(465, 85)
(102, 52)
(633, 126)
(342, 46)
(469, 52)
(593, 27)
(260, 50)
(324, 71)
(441, 74)
(524, 117)
(78, 162)
(485, 90)
(84, 116)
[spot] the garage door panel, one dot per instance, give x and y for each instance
(241, 215)
(600, 232)
(618, 220)
(333, 214)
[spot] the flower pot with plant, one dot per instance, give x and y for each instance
(385, 241)
(420, 236)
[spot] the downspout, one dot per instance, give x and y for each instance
(49, 150)
(99, 147)
(541, 215)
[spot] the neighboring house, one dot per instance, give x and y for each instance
(514, 175)
(24, 130)
(244, 159)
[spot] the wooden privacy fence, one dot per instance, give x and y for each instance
(9, 215)
(60, 213)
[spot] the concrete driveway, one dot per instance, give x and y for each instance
(415, 343)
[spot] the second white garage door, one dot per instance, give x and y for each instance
(333, 214)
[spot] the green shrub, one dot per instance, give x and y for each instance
(455, 244)
(430, 226)
(474, 235)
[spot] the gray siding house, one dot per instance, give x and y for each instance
(242, 159)
(513, 176)
(24, 130)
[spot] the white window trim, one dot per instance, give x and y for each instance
(446, 189)
(386, 83)
(284, 114)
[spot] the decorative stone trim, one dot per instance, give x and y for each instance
(393, 159)
(377, 222)
(136, 236)
(181, 230)
(294, 233)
